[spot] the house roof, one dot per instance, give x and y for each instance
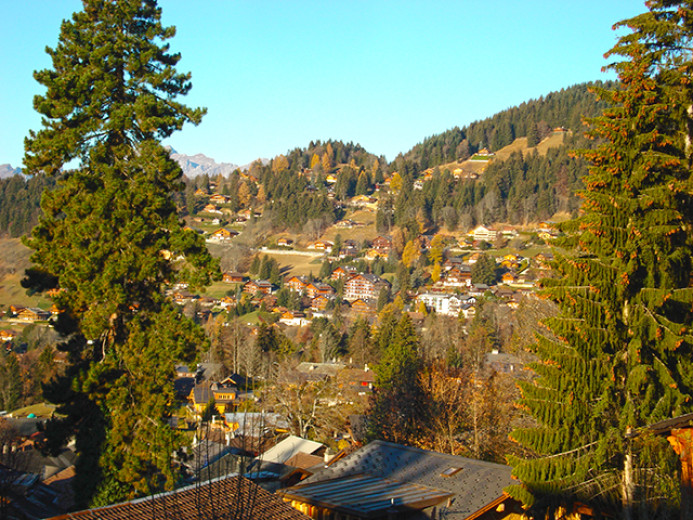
(289, 447)
(473, 484)
(365, 496)
(305, 460)
(254, 424)
(225, 498)
(664, 427)
(319, 369)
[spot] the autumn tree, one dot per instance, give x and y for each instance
(304, 402)
(435, 252)
(619, 355)
(411, 253)
(110, 98)
(326, 163)
(280, 163)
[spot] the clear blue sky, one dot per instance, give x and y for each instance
(385, 74)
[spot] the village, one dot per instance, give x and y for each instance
(235, 427)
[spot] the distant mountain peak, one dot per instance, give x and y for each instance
(200, 164)
(6, 170)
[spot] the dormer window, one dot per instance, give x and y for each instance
(450, 471)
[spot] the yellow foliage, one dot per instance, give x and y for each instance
(261, 195)
(435, 272)
(396, 182)
(243, 193)
(376, 165)
(411, 253)
(280, 163)
(326, 162)
(422, 308)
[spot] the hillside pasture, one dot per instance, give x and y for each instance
(359, 233)
(14, 260)
(295, 264)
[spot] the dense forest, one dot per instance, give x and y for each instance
(19, 203)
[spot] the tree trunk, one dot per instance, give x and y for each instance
(628, 484)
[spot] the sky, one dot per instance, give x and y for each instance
(276, 75)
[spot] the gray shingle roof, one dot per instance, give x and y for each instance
(473, 484)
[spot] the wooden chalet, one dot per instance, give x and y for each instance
(358, 380)
(211, 208)
(365, 306)
(297, 283)
(234, 277)
(453, 261)
(543, 259)
(218, 198)
(224, 395)
(321, 245)
(32, 314)
(258, 286)
(384, 480)
(294, 318)
(318, 289)
(183, 297)
(382, 244)
(509, 278)
(481, 233)
(458, 277)
(679, 433)
(7, 335)
(343, 271)
(319, 303)
(364, 286)
(222, 235)
(363, 201)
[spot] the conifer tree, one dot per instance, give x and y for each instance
(107, 238)
(484, 270)
(399, 409)
(619, 356)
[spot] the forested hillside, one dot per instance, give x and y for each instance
(293, 188)
(523, 188)
(19, 203)
(534, 119)
(309, 185)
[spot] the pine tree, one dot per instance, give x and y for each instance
(399, 409)
(105, 238)
(532, 135)
(619, 357)
(10, 382)
(484, 270)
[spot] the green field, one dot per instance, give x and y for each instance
(14, 260)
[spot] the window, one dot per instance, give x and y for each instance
(450, 471)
